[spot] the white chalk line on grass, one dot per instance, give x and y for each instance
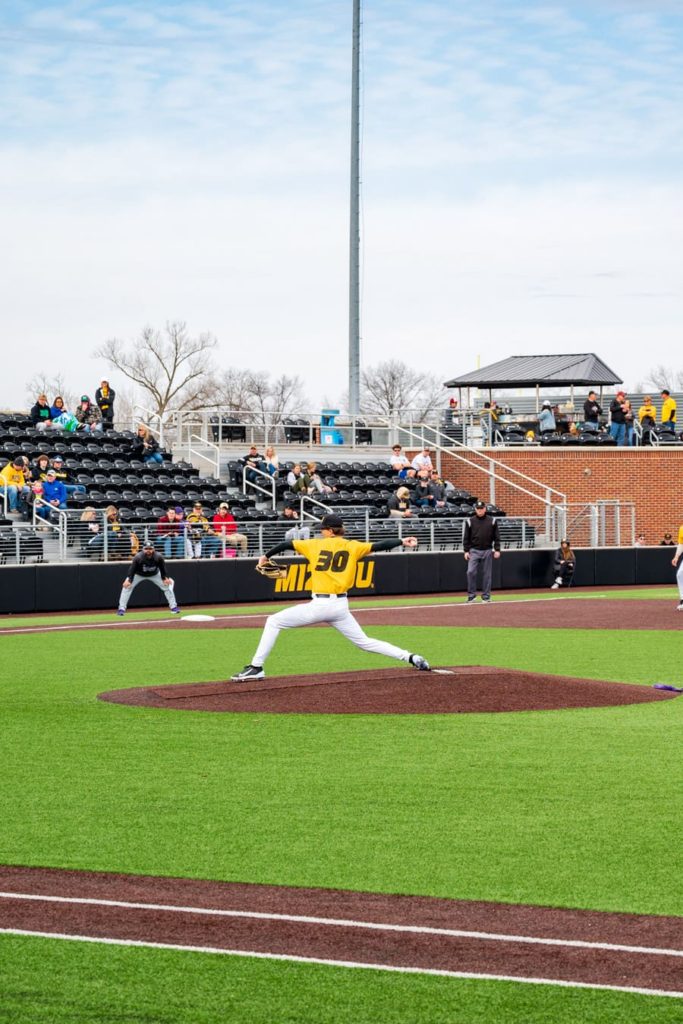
(293, 958)
(343, 922)
(357, 610)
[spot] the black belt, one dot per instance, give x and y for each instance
(345, 594)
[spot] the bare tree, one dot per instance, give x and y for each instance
(42, 384)
(661, 376)
(253, 396)
(173, 369)
(392, 388)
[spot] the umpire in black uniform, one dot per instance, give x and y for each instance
(481, 542)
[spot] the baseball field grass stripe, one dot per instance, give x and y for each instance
(358, 965)
(343, 922)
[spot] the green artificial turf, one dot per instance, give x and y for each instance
(572, 808)
(568, 808)
(52, 982)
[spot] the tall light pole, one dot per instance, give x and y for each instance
(354, 222)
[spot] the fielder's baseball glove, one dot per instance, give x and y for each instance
(271, 569)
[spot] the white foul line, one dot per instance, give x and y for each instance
(343, 922)
(293, 958)
(358, 609)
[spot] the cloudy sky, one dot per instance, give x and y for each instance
(190, 160)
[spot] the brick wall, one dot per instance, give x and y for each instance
(651, 478)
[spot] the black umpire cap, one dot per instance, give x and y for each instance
(331, 522)
(480, 504)
(148, 544)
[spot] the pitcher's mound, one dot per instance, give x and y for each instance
(393, 691)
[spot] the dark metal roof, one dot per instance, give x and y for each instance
(544, 371)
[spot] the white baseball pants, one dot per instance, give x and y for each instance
(679, 578)
(333, 610)
(167, 591)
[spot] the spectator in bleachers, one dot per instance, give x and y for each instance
(41, 413)
(647, 414)
(251, 462)
(41, 464)
(64, 475)
(668, 408)
(294, 476)
(399, 505)
(629, 417)
(423, 460)
(400, 463)
(592, 411)
(312, 481)
(290, 513)
(145, 446)
(182, 524)
(203, 542)
(439, 488)
(88, 415)
(58, 408)
(488, 419)
(37, 500)
(423, 494)
(271, 461)
(88, 525)
(104, 397)
(225, 526)
(54, 490)
(15, 486)
(546, 419)
(171, 534)
(667, 541)
(119, 541)
(617, 416)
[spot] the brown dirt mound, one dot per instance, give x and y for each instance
(403, 691)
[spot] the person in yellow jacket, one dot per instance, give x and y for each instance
(15, 487)
(668, 408)
(647, 411)
(332, 560)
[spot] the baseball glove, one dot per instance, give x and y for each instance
(271, 569)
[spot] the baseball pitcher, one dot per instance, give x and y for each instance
(332, 560)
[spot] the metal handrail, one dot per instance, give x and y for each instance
(493, 470)
(270, 492)
(59, 528)
(215, 463)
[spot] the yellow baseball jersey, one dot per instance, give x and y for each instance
(680, 534)
(332, 561)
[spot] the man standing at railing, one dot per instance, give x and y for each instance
(481, 542)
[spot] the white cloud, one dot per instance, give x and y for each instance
(521, 168)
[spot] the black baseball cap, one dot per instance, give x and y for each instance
(331, 522)
(148, 544)
(480, 504)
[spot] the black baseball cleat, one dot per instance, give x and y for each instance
(249, 672)
(470, 600)
(417, 661)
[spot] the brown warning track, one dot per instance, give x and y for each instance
(503, 946)
(459, 689)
